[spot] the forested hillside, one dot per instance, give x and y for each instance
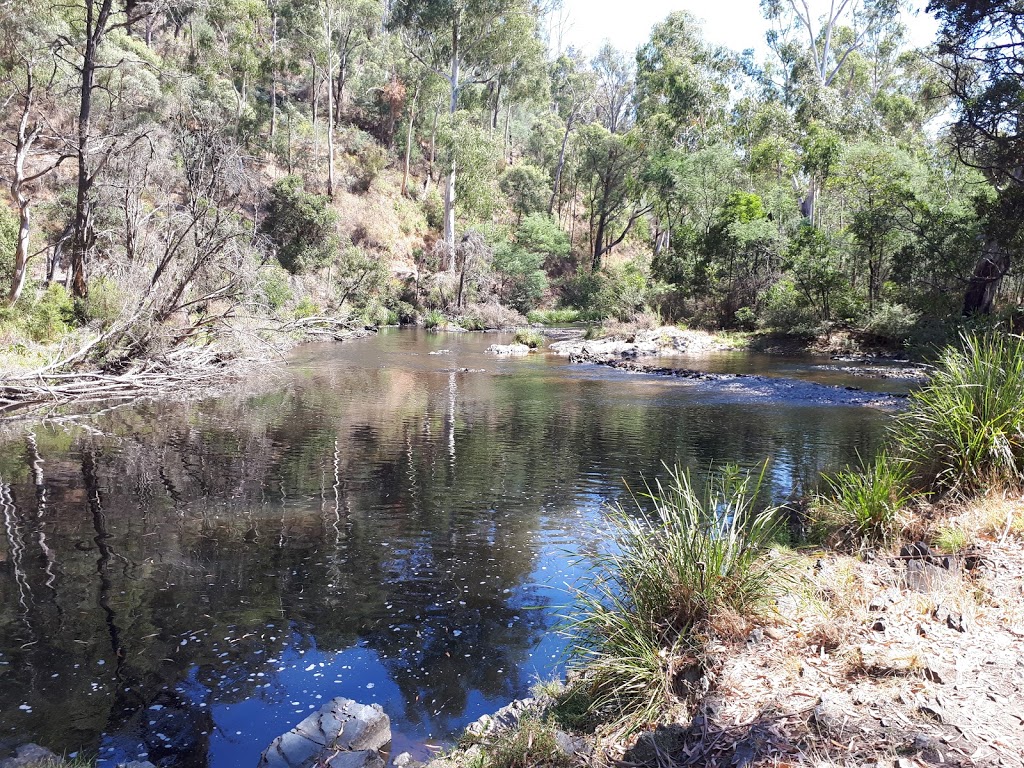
(181, 173)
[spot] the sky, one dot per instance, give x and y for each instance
(737, 24)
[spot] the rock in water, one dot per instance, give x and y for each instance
(342, 734)
(30, 755)
(508, 349)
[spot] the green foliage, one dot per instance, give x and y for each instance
(305, 308)
(433, 209)
(554, 316)
(8, 242)
(51, 315)
(106, 300)
(531, 744)
(301, 225)
(433, 319)
(866, 504)
(532, 339)
(668, 575)
(527, 187)
(813, 262)
(275, 287)
(964, 430)
(893, 322)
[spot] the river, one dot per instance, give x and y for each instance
(185, 581)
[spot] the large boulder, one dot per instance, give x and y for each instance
(342, 734)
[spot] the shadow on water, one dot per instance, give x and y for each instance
(186, 582)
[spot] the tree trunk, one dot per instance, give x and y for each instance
(561, 163)
(408, 138)
(449, 187)
(96, 22)
(273, 80)
(988, 273)
(26, 138)
(329, 74)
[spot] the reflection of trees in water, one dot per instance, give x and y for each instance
(392, 509)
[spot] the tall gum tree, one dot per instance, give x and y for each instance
(459, 40)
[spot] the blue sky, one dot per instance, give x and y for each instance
(734, 23)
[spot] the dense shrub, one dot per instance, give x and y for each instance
(301, 225)
(964, 431)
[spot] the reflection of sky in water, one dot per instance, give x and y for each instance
(378, 529)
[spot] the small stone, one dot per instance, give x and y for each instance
(775, 633)
(878, 626)
(955, 621)
(756, 636)
(923, 742)
(934, 710)
(937, 672)
(362, 758)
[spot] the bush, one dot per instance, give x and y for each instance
(670, 577)
(275, 287)
(301, 225)
(51, 315)
(433, 319)
(894, 322)
(864, 506)
(106, 300)
(964, 431)
(433, 209)
(305, 308)
(532, 339)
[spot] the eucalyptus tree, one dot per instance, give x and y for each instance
(572, 91)
(610, 165)
(615, 76)
(682, 81)
(461, 40)
(981, 50)
(33, 77)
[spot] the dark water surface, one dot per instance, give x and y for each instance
(189, 581)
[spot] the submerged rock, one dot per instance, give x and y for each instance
(342, 734)
(30, 756)
(508, 349)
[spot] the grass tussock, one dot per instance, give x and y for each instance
(964, 431)
(865, 507)
(531, 744)
(693, 564)
(532, 339)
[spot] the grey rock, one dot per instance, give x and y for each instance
(405, 760)
(572, 746)
(362, 758)
(506, 718)
(340, 726)
(923, 742)
(28, 755)
(508, 349)
(925, 577)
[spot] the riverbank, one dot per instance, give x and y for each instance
(902, 657)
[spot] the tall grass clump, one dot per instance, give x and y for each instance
(964, 431)
(864, 507)
(672, 577)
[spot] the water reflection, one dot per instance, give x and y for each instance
(186, 582)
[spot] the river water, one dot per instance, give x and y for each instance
(187, 581)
